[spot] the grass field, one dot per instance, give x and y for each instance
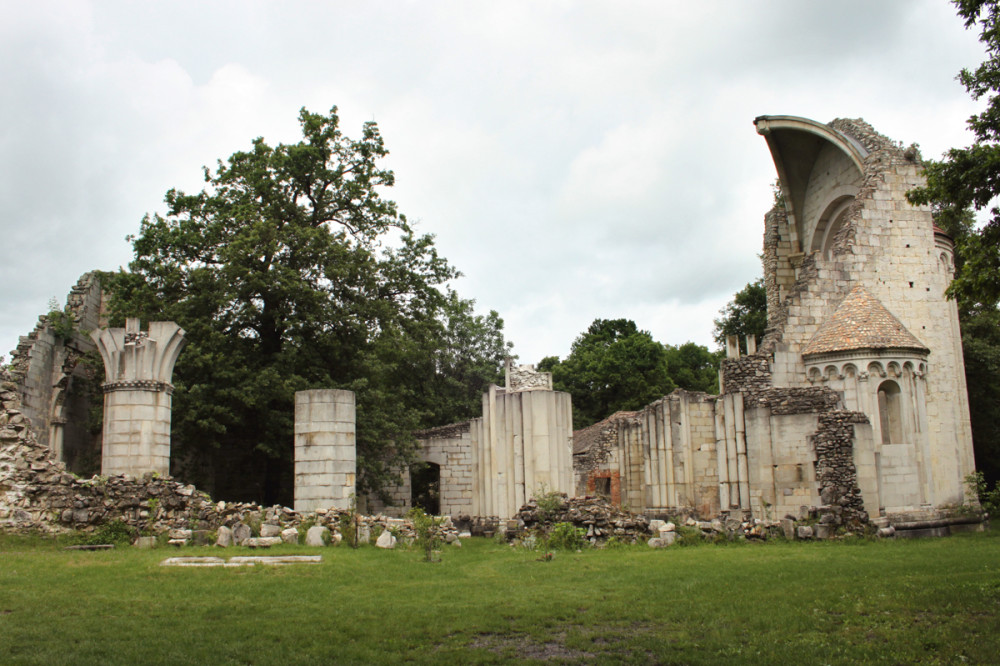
(928, 601)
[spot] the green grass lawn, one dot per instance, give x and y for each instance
(927, 601)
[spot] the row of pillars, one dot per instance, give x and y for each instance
(139, 366)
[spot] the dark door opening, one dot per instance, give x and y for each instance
(602, 486)
(425, 487)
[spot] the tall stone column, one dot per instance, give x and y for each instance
(137, 396)
(325, 459)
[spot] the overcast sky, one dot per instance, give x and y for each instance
(575, 160)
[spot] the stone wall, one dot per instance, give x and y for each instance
(746, 374)
(836, 471)
(55, 388)
(891, 248)
(450, 448)
(39, 493)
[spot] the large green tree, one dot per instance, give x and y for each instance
(290, 271)
(745, 315)
(614, 366)
(966, 180)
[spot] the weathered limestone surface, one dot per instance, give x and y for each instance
(138, 367)
(491, 466)
(876, 239)
(855, 402)
(51, 381)
(325, 458)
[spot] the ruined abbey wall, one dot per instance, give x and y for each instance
(491, 466)
(894, 250)
(55, 388)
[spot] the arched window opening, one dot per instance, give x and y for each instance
(425, 487)
(890, 412)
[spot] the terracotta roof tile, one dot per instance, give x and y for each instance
(861, 322)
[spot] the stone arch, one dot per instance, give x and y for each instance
(894, 370)
(875, 369)
(945, 262)
(850, 370)
(831, 221)
(797, 145)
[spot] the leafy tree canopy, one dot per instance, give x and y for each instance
(967, 180)
(289, 271)
(745, 315)
(614, 366)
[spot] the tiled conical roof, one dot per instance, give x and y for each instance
(861, 322)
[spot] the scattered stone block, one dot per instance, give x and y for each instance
(192, 562)
(788, 527)
(268, 530)
(655, 525)
(886, 532)
(290, 535)
(823, 531)
(804, 532)
(261, 542)
(225, 537)
(386, 540)
(145, 542)
(315, 536)
(241, 533)
(277, 559)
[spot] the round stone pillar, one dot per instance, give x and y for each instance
(137, 396)
(325, 462)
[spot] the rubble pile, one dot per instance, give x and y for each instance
(597, 515)
(38, 494)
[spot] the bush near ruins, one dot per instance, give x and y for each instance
(290, 271)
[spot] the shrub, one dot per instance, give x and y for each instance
(564, 536)
(989, 498)
(427, 533)
(115, 531)
(689, 536)
(549, 503)
(347, 524)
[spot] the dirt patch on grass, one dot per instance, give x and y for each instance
(602, 641)
(527, 647)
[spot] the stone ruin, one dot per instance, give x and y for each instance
(852, 410)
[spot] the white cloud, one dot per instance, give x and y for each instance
(575, 160)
